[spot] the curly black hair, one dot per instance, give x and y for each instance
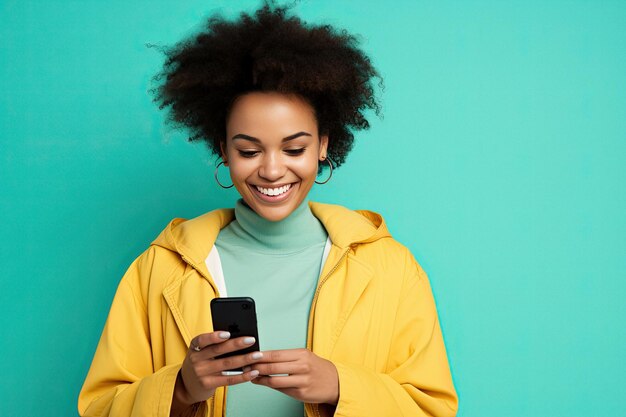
(268, 51)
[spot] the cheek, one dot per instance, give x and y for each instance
(307, 169)
(240, 168)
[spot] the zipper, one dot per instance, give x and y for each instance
(316, 295)
(223, 402)
(315, 407)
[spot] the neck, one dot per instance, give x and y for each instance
(299, 230)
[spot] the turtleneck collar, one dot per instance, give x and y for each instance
(300, 230)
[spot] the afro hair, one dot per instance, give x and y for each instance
(268, 50)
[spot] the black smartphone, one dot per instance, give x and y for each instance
(236, 315)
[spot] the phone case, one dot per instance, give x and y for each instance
(236, 315)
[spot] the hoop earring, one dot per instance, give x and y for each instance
(330, 164)
(217, 179)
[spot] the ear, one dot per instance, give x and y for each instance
(323, 147)
(223, 152)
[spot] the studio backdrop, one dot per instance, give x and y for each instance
(500, 162)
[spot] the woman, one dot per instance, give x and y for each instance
(347, 321)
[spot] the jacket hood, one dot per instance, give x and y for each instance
(194, 238)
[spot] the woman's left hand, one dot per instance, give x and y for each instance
(309, 378)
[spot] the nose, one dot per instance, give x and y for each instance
(272, 167)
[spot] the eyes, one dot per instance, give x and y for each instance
(252, 153)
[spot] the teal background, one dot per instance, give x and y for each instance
(500, 162)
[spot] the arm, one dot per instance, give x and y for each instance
(417, 381)
(122, 380)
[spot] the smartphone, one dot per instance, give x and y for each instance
(236, 315)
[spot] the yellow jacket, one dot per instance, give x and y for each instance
(373, 316)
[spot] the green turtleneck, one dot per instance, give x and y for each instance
(278, 265)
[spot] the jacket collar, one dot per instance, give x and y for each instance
(193, 239)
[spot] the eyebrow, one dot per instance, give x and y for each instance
(285, 139)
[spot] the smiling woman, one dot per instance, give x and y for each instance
(345, 313)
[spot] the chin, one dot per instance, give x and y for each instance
(274, 214)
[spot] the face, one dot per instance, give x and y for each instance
(272, 150)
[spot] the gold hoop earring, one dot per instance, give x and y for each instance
(330, 164)
(217, 179)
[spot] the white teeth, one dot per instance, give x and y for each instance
(274, 191)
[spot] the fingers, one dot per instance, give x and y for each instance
(216, 366)
(205, 364)
(228, 346)
(201, 374)
(206, 339)
(201, 387)
(281, 368)
(287, 361)
(235, 379)
(286, 355)
(282, 382)
(210, 345)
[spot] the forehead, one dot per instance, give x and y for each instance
(270, 115)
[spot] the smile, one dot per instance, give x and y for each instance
(274, 191)
(272, 195)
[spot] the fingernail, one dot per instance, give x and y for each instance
(247, 368)
(254, 373)
(224, 335)
(257, 355)
(248, 340)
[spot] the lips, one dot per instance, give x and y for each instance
(276, 191)
(272, 194)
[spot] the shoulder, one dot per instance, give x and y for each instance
(153, 270)
(182, 244)
(192, 239)
(346, 227)
(373, 244)
(386, 253)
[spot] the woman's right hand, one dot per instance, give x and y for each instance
(201, 373)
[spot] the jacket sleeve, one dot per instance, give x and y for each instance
(418, 380)
(122, 380)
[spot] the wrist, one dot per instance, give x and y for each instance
(333, 400)
(180, 399)
(334, 397)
